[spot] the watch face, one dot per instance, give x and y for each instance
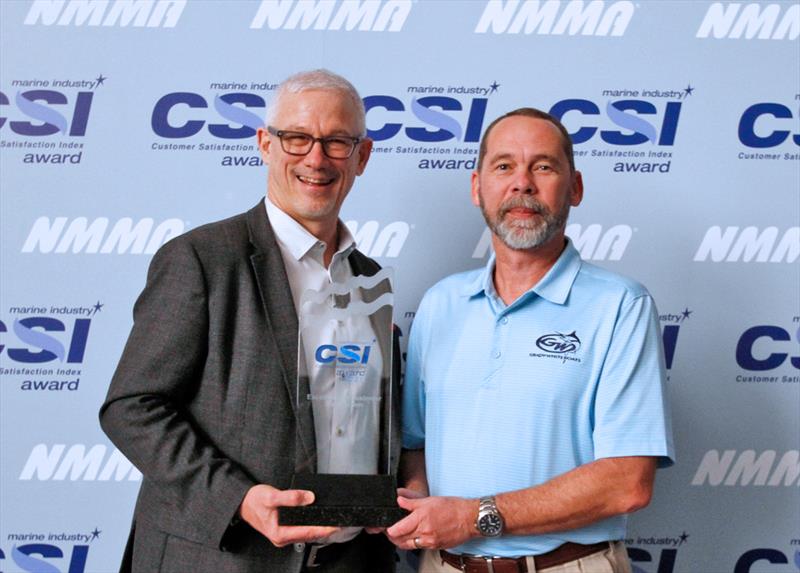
(490, 525)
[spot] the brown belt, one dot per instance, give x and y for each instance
(558, 556)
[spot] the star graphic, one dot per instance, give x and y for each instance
(97, 307)
(684, 536)
(494, 85)
(688, 89)
(95, 534)
(100, 79)
(686, 312)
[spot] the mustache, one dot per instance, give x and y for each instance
(524, 201)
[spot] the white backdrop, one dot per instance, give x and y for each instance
(126, 122)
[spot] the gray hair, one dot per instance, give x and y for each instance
(320, 79)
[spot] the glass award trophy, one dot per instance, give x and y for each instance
(344, 388)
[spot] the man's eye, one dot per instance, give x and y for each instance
(296, 138)
(338, 141)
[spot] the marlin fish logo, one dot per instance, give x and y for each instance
(558, 343)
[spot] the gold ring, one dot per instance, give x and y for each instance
(416, 543)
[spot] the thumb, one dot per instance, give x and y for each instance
(293, 497)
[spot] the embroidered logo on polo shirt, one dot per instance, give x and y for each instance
(558, 345)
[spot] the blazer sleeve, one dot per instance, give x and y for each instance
(145, 413)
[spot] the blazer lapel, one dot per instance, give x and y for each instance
(276, 297)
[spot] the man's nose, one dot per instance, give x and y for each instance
(524, 182)
(316, 156)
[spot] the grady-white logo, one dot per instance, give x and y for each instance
(558, 343)
(559, 346)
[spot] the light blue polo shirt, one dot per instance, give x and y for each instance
(507, 397)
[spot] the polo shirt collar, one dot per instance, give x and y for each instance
(554, 286)
(297, 240)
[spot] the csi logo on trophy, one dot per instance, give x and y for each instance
(344, 405)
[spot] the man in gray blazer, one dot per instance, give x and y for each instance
(203, 400)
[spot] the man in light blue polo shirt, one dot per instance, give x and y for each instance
(535, 413)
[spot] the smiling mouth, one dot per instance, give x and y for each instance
(316, 181)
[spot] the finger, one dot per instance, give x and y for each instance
(292, 497)
(409, 503)
(404, 527)
(301, 534)
(374, 530)
(410, 493)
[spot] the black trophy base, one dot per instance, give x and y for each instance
(343, 500)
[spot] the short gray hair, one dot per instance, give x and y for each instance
(320, 79)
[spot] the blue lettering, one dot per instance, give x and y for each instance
(625, 114)
(50, 347)
(80, 115)
(160, 118)
(349, 354)
(427, 110)
(325, 359)
(449, 127)
(670, 340)
(747, 132)
(77, 564)
(32, 331)
(746, 561)
(52, 121)
(388, 103)
(584, 106)
(477, 113)
(80, 334)
(3, 101)
(22, 556)
(744, 348)
(249, 121)
(666, 562)
(642, 130)
(670, 125)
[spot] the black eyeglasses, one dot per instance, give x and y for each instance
(299, 143)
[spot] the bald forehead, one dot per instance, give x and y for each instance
(336, 98)
(534, 124)
(518, 130)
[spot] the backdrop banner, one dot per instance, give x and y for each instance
(124, 123)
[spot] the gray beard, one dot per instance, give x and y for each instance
(523, 235)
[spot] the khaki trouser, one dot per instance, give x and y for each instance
(612, 560)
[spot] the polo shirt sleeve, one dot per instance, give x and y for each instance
(414, 384)
(631, 413)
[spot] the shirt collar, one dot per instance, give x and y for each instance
(553, 286)
(297, 240)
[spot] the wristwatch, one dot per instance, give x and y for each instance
(489, 521)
